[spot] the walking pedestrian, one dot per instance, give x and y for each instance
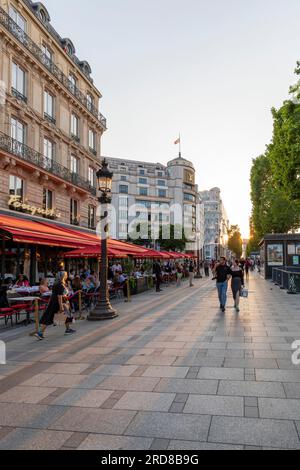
(191, 273)
(222, 274)
(237, 282)
(157, 271)
(179, 274)
(58, 304)
(206, 268)
(247, 267)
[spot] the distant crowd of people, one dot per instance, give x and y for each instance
(68, 284)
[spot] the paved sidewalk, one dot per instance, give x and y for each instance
(171, 372)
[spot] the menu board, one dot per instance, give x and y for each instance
(296, 260)
(275, 254)
(291, 249)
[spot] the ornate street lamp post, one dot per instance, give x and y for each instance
(198, 274)
(104, 310)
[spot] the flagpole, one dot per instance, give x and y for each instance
(179, 145)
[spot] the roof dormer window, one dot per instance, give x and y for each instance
(68, 46)
(42, 16)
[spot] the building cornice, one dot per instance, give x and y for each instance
(34, 9)
(53, 71)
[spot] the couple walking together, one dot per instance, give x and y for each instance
(222, 274)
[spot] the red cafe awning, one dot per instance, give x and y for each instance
(115, 249)
(39, 233)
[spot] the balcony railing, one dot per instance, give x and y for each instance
(36, 51)
(30, 155)
(50, 118)
(18, 95)
(75, 138)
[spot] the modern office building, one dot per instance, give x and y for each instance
(216, 224)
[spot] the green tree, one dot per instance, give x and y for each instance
(260, 180)
(235, 242)
(275, 176)
(177, 240)
(284, 150)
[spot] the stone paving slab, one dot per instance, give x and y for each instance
(257, 432)
(153, 360)
(227, 354)
(279, 408)
(34, 439)
(286, 364)
(118, 370)
(133, 384)
(271, 354)
(199, 361)
(72, 369)
(94, 421)
(292, 390)
(214, 405)
(251, 363)
(249, 346)
(165, 371)
(29, 395)
(251, 389)
(145, 401)
(190, 445)
(221, 373)
(83, 398)
(268, 375)
(28, 415)
(170, 426)
(196, 386)
(110, 442)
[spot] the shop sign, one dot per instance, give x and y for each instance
(16, 204)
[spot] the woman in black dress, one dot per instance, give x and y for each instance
(237, 282)
(58, 304)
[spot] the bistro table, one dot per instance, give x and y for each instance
(23, 300)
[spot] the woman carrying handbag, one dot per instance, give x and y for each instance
(237, 283)
(58, 305)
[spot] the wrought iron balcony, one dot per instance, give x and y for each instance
(75, 138)
(30, 155)
(50, 118)
(93, 151)
(36, 51)
(18, 95)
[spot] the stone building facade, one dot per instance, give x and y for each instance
(50, 124)
(150, 192)
(216, 224)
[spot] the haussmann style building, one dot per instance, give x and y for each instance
(50, 136)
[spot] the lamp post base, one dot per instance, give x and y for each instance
(103, 311)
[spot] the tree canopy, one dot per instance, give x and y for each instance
(275, 175)
(235, 242)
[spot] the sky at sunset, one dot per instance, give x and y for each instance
(209, 69)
